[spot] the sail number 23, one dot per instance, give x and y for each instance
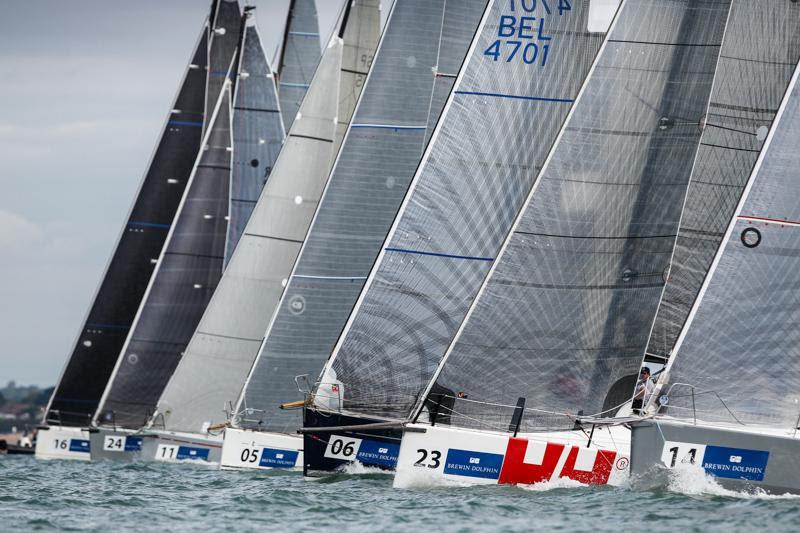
(522, 36)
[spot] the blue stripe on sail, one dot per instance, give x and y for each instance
(185, 123)
(148, 224)
(303, 85)
(334, 278)
(434, 254)
(389, 126)
(517, 97)
(219, 73)
(304, 33)
(107, 326)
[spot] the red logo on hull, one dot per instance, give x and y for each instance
(515, 470)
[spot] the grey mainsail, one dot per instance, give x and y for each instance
(381, 150)
(300, 54)
(762, 45)
(187, 272)
(105, 328)
(360, 31)
(257, 130)
(565, 312)
(506, 110)
(228, 337)
(736, 358)
(223, 38)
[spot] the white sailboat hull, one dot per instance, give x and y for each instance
(63, 442)
(258, 450)
(436, 455)
(172, 446)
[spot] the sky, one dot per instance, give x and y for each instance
(85, 89)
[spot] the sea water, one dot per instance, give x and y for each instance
(65, 495)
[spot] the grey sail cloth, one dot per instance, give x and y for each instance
(223, 39)
(300, 54)
(762, 45)
(566, 311)
(380, 152)
(83, 379)
(184, 280)
(360, 31)
(222, 350)
(740, 347)
(501, 121)
(257, 132)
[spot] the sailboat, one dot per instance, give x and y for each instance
(83, 379)
(727, 400)
(191, 415)
(397, 108)
(564, 313)
(430, 268)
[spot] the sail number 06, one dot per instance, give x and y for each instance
(340, 447)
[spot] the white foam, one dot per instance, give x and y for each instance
(553, 484)
(359, 469)
(693, 480)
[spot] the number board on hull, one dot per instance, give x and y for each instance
(719, 461)
(120, 443)
(500, 459)
(365, 451)
(250, 449)
(174, 452)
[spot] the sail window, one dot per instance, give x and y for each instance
(411, 61)
(208, 217)
(87, 343)
(172, 181)
(284, 282)
(220, 31)
(751, 237)
(244, 75)
(133, 358)
(197, 286)
(666, 123)
(153, 261)
(297, 304)
(390, 182)
(261, 141)
(254, 163)
(761, 133)
(298, 200)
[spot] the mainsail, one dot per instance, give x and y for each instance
(762, 45)
(382, 148)
(228, 337)
(187, 272)
(223, 38)
(525, 69)
(300, 54)
(736, 358)
(257, 130)
(76, 396)
(565, 312)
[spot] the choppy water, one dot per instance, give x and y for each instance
(63, 495)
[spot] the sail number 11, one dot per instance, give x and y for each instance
(522, 36)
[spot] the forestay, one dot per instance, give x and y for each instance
(227, 339)
(300, 54)
(564, 315)
(525, 69)
(736, 358)
(257, 130)
(187, 272)
(382, 148)
(762, 45)
(78, 392)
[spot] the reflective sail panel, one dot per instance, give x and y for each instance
(382, 149)
(111, 315)
(740, 346)
(222, 350)
(360, 31)
(516, 89)
(187, 273)
(565, 314)
(761, 47)
(300, 55)
(257, 132)
(223, 40)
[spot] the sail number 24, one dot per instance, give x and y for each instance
(522, 35)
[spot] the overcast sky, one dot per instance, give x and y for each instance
(85, 87)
